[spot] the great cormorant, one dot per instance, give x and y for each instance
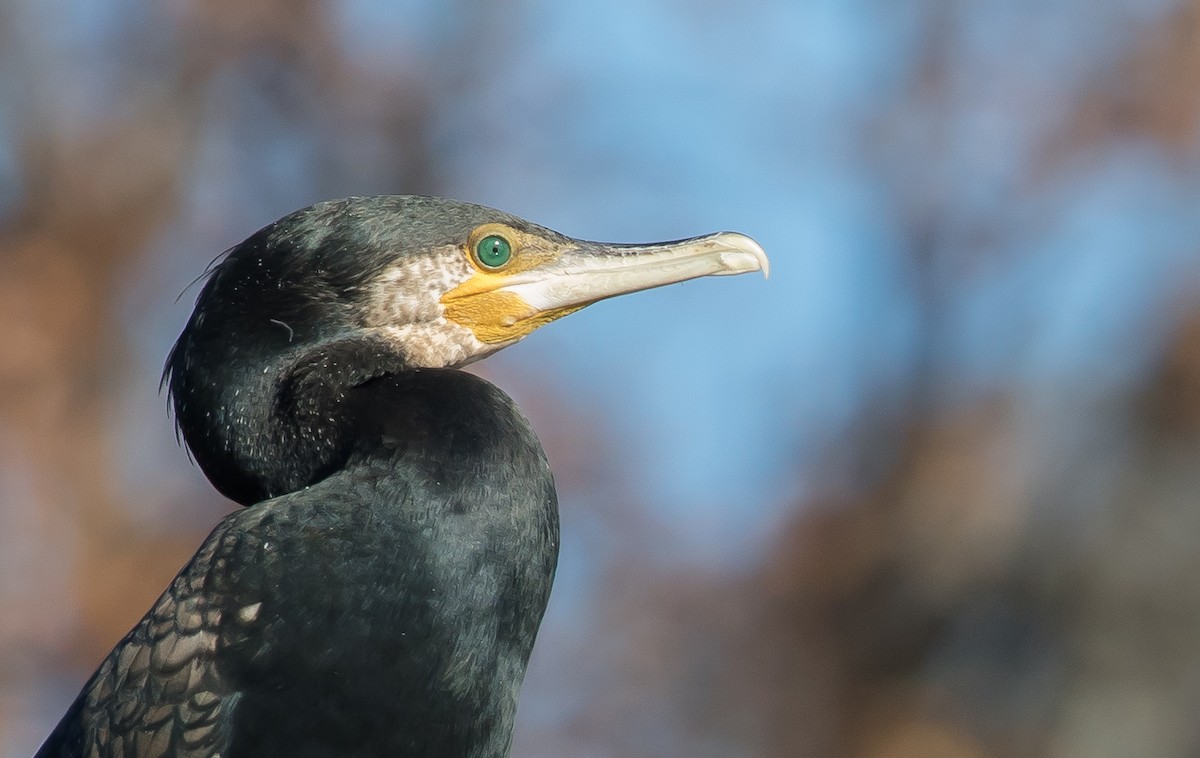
(382, 593)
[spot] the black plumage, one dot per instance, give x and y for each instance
(382, 593)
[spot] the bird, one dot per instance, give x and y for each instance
(381, 591)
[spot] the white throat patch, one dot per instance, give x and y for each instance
(404, 308)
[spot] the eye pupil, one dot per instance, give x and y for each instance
(493, 251)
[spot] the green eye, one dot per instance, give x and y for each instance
(493, 251)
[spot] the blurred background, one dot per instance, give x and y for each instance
(933, 490)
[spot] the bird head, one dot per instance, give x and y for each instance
(341, 292)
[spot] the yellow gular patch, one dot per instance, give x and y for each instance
(494, 316)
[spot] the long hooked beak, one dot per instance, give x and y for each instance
(594, 271)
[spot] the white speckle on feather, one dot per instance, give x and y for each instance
(248, 613)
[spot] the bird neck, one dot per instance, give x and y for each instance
(263, 428)
(419, 599)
